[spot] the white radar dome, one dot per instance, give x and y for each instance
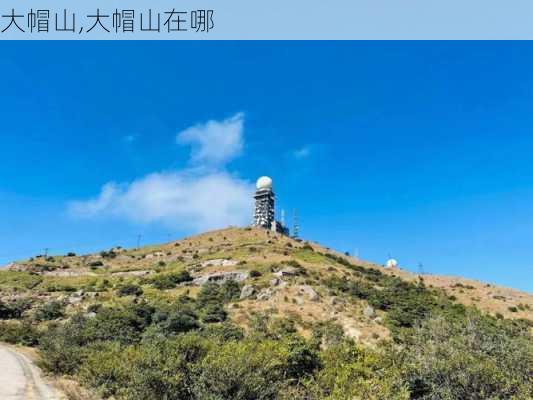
(264, 182)
(392, 263)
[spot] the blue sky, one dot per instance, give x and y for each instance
(421, 150)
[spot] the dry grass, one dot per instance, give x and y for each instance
(73, 391)
(262, 250)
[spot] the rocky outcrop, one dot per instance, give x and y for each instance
(219, 262)
(15, 267)
(133, 273)
(221, 277)
(369, 312)
(265, 294)
(287, 271)
(157, 254)
(309, 292)
(277, 282)
(247, 292)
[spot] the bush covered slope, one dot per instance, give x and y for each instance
(249, 314)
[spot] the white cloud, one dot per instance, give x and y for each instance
(192, 198)
(97, 205)
(214, 142)
(176, 199)
(302, 152)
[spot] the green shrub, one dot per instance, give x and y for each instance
(302, 358)
(5, 311)
(170, 281)
(124, 325)
(213, 312)
(129, 290)
(62, 347)
(360, 290)
(178, 322)
(406, 303)
(14, 310)
(157, 370)
(108, 254)
(351, 372)
(462, 286)
(477, 357)
(241, 371)
(60, 288)
(49, 311)
(187, 349)
(265, 326)
(39, 268)
(214, 293)
(455, 356)
(19, 332)
(108, 368)
(95, 264)
(223, 332)
(328, 334)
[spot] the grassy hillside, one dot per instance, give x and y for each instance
(250, 314)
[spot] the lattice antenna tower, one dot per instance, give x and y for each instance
(295, 225)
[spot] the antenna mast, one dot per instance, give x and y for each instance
(295, 225)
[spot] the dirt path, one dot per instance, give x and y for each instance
(20, 379)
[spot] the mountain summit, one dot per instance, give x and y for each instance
(275, 273)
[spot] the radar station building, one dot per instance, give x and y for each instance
(264, 207)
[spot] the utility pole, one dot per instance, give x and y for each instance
(46, 251)
(420, 269)
(139, 241)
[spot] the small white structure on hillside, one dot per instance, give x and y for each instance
(391, 263)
